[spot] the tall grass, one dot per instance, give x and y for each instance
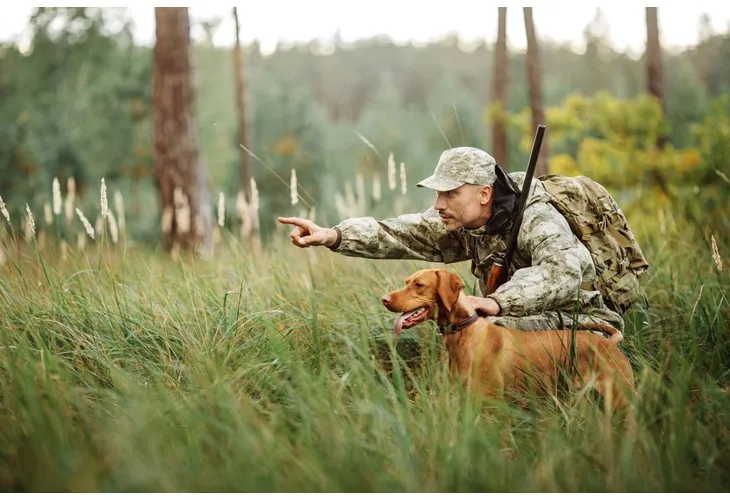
(123, 370)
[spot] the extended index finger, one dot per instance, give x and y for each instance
(297, 221)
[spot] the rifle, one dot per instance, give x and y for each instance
(499, 272)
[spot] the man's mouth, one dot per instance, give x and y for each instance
(410, 319)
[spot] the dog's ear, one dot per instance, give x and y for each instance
(449, 286)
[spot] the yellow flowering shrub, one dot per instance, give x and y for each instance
(610, 140)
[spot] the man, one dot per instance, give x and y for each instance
(471, 220)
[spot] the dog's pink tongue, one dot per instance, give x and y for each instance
(398, 327)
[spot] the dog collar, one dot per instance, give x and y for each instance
(445, 330)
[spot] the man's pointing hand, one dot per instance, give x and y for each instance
(307, 234)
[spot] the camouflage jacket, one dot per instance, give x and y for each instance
(549, 265)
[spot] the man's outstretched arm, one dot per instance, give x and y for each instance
(412, 236)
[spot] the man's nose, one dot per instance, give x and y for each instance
(439, 203)
(386, 300)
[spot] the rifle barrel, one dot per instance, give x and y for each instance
(512, 243)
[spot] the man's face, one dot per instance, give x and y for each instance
(467, 206)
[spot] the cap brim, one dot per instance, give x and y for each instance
(439, 183)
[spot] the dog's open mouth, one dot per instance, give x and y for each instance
(410, 319)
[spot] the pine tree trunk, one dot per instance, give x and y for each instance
(245, 168)
(499, 91)
(180, 176)
(534, 81)
(654, 73)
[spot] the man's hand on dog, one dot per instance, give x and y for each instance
(307, 234)
(484, 306)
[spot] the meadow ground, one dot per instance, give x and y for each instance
(124, 370)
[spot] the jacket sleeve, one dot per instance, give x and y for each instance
(559, 265)
(412, 236)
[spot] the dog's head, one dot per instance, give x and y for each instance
(425, 292)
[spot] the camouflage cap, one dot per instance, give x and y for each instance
(459, 166)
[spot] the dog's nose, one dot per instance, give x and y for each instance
(386, 300)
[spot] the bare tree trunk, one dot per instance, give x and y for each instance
(499, 91)
(180, 176)
(534, 80)
(245, 168)
(654, 73)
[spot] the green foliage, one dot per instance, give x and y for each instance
(69, 107)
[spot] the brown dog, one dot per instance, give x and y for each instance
(495, 358)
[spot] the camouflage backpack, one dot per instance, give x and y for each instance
(597, 220)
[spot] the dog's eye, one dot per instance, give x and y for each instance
(418, 285)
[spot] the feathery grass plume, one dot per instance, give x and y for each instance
(166, 223)
(31, 220)
(86, 223)
(57, 201)
(70, 199)
(182, 211)
(4, 210)
(391, 172)
(244, 214)
(716, 254)
(64, 251)
(376, 187)
(99, 225)
(254, 204)
(293, 187)
(47, 214)
(403, 178)
(246, 223)
(113, 227)
(81, 238)
(119, 207)
(104, 204)
(221, 209)
(30, 223)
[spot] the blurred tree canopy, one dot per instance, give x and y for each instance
(78, 104)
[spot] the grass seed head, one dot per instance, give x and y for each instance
(293, 188)
(31, 220)
(221, 209)
(47, 214)
(119, 206)
(391, 172)
(403, 188)
(4, 210)
(104, 204)
(70, 199)
(57, 201)
(113, 227)
(376, 187)
(86, 223)
(716, 254)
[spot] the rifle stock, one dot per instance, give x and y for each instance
(499, 272)
(497, 276)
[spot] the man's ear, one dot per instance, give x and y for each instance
(449, 286)
(485, 194)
